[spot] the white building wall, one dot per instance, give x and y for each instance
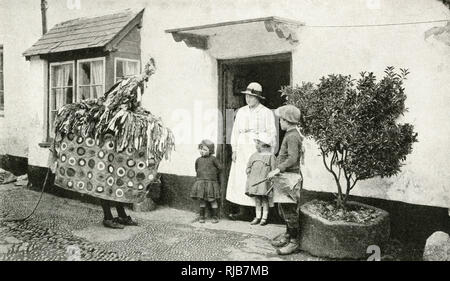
(184, 89)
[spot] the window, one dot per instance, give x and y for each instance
(61, 87)
(91, 78)
(125, 68)
(2, 85)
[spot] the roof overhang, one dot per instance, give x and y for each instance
(278, 33)
(87, 34)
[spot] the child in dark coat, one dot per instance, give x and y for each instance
(207, 185)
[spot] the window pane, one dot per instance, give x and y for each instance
(97, 72)
(54, 73)
(59, 99)
(97, 91)
(62, 75)
(119, 69)
(68, 94)
(85, 73)
(131, 68)
(1, 60)
(83, 92)
(69, 78)
(1, 81)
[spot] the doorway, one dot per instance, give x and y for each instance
(272, 72)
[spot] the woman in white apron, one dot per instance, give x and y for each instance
(252, 119)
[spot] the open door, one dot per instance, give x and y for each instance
(272, 72)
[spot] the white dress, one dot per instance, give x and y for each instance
(248, 123)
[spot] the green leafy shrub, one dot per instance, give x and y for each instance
(354, 124)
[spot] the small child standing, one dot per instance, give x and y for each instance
(207, 185)
(259, 165)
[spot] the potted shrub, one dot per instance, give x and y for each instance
(354, 123)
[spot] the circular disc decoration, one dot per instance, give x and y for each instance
(110, 145)
(89, 186)
(101, 166)
(90, 142)
(140, 176)
(82, 162)
(109, 191)
(120, 171)
(111, 157)
(70, 172)
(80, 140)
(130, 151)
(80, 185)
(63, 146)
(89, 174)
(140, 186)
(101, 154)
(129, 194)
(72, 161)
(91, 163)
(119, 159)
(63, 158)
(110, 181)
(81, 151)
(100, 177)
(70, 184)
(131, 163)
(81, 173)
(130, 184)
(110, 169)
(91, 153)
(99, 189)
(141, 154)
(119, 182)
(119, 192)
(71, 149)
(131, 174)
(70, 136)
(151, 177)
(62, 171)
(141, 165)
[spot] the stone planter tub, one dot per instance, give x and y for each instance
(339, 239)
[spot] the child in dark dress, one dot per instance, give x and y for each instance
(207, 185)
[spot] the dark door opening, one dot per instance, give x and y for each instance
(272, 72)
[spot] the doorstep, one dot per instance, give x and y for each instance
(164, 213)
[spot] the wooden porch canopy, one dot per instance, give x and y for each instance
(103, 32)
(201, 36)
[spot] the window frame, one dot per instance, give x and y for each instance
(50, 89)
(116, 59)
(103, 59)
(2, 91)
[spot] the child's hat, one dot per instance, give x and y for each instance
(289, 113)
(264, 138)
(209, 144)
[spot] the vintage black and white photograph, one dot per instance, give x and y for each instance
(221, 130)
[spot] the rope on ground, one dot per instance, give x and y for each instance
(35, 207)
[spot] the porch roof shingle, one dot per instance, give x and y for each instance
(83, 33)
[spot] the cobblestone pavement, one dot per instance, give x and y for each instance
(65, 229)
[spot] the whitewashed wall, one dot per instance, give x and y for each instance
(184, 89)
